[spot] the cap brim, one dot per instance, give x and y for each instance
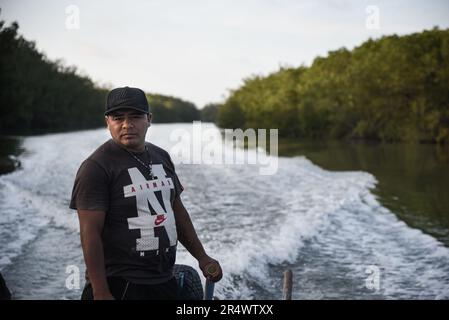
(125, 107)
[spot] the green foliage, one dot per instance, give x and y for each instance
(231, 115)
(270, 102)
(169, 109)
(210, 112)
(391, 89)
(38, 95)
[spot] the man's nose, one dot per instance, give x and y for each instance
(127, 122)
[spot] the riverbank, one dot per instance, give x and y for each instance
(10, 149)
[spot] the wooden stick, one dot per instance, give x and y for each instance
(288, 283)
(209, 290)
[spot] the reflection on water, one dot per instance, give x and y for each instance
(413, 178)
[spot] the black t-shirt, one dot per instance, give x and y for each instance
(139, 234)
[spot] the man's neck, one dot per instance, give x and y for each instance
(139, 149)
(136, 149)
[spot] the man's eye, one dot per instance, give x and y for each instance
(117, 118)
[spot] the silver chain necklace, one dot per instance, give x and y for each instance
(148, 167)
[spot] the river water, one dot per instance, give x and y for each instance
(340, 232)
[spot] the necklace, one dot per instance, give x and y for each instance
(148, 167)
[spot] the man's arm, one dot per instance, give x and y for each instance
(189, 239)
(91, 226)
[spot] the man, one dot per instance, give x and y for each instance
(131, 216)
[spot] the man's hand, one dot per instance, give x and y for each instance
(211, 268)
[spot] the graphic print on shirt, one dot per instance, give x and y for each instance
(145, 193)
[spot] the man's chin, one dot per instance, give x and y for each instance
(131, 143)
(129, 139)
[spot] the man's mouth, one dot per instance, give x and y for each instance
(128, 135)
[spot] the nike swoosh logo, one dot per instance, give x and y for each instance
(159, 219)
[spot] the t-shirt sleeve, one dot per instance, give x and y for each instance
(90, 190)
(178, 186)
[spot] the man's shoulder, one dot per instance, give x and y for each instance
(108, 148)
(103, 154)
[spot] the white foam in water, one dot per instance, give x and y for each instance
(327, 223)
(301, 203)
(39, 192)
(412, 264)
(18, 221)
(298, 212)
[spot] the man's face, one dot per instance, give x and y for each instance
(128, 128)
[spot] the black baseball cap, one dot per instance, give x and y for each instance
(127, 98)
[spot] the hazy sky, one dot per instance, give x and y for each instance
(198, 50)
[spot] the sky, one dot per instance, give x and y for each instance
(199, 50)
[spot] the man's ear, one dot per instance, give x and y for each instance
(106, 120)
(150, 117)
